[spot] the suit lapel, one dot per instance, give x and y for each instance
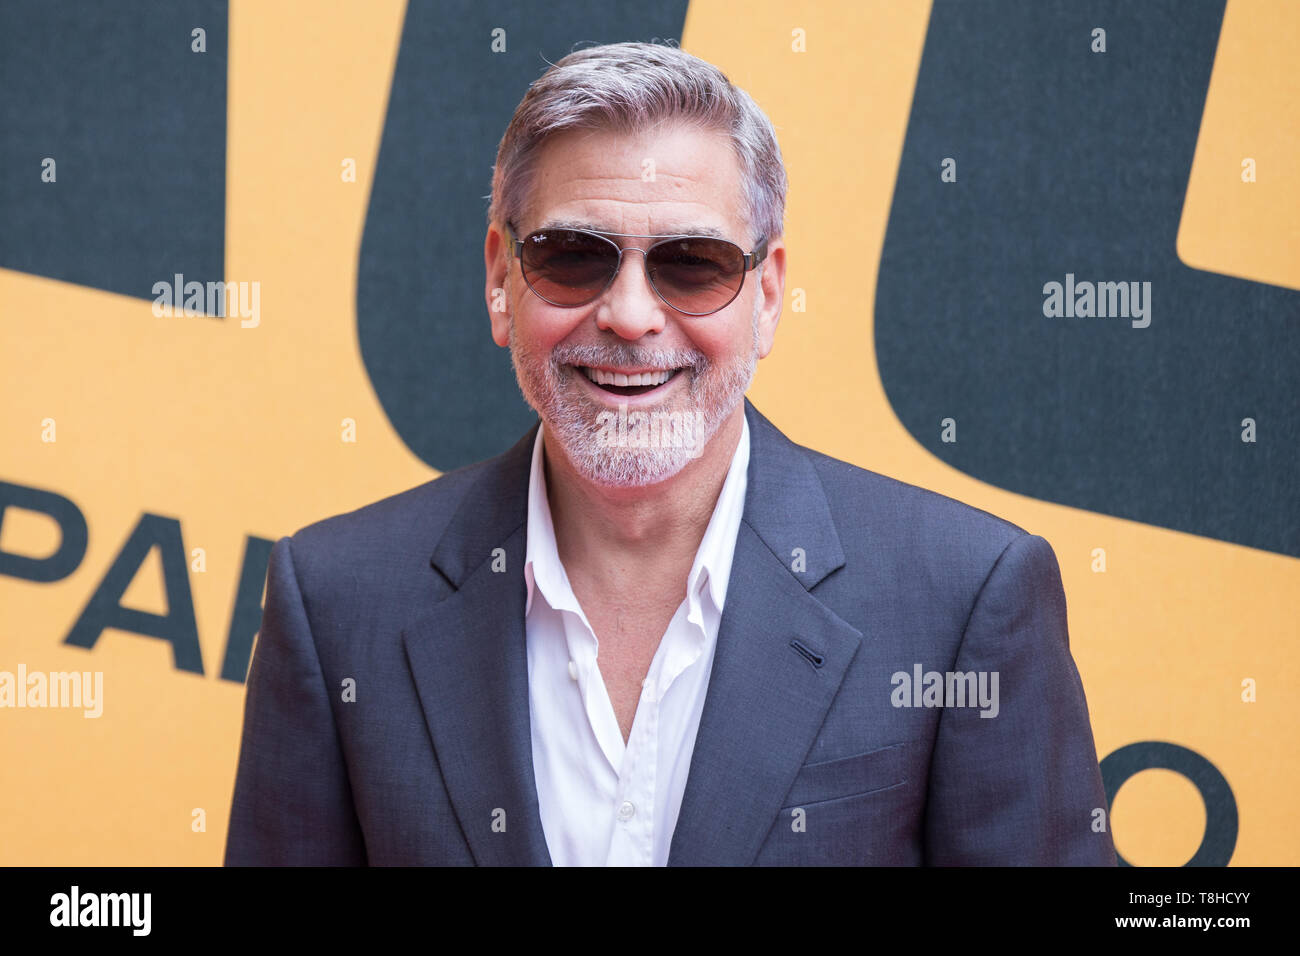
(781, 657)
(468, 657)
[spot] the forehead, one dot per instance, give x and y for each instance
(672, 179)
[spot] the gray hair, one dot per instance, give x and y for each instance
(630, 87)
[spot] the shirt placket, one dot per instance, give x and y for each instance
(583, 650)
(634, 805)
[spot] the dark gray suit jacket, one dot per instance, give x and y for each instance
(841, 579)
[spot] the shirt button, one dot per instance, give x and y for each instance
(625, 811)
(573, 670)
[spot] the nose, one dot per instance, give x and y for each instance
(630, 307)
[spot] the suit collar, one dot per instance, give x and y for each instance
(766, 697)
(784, 505)
(494, 506)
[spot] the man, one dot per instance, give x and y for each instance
(656, 631)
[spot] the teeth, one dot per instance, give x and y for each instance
(618, 378)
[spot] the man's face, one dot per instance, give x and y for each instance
(673, 181)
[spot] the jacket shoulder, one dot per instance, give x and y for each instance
(415, 509)
(394, 536)
(917, 553)
(875, 508)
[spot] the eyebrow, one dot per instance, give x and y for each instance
(711, 231)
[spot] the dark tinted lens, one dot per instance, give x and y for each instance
(697, 275)
(567, 267)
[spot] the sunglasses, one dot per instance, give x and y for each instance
(696, 275)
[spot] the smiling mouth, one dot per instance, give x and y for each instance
(620, 383)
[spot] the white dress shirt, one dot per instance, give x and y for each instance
(603, 802)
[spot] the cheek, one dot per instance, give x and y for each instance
(538, 329)
(722, 346)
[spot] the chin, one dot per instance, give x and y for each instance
(625, 463)
(635, 469)
(574, 421)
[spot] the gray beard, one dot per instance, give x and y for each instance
(584, 433)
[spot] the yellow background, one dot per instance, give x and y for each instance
(189, 418)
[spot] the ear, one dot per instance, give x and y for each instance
(496, 262)
(772, 286)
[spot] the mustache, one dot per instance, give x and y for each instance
(626, 355)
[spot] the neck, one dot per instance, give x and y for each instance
(616, 531)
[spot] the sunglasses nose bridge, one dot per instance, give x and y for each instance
(622, 252)
(619, 252)
(645, 271)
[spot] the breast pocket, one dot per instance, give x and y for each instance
(848, 776)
